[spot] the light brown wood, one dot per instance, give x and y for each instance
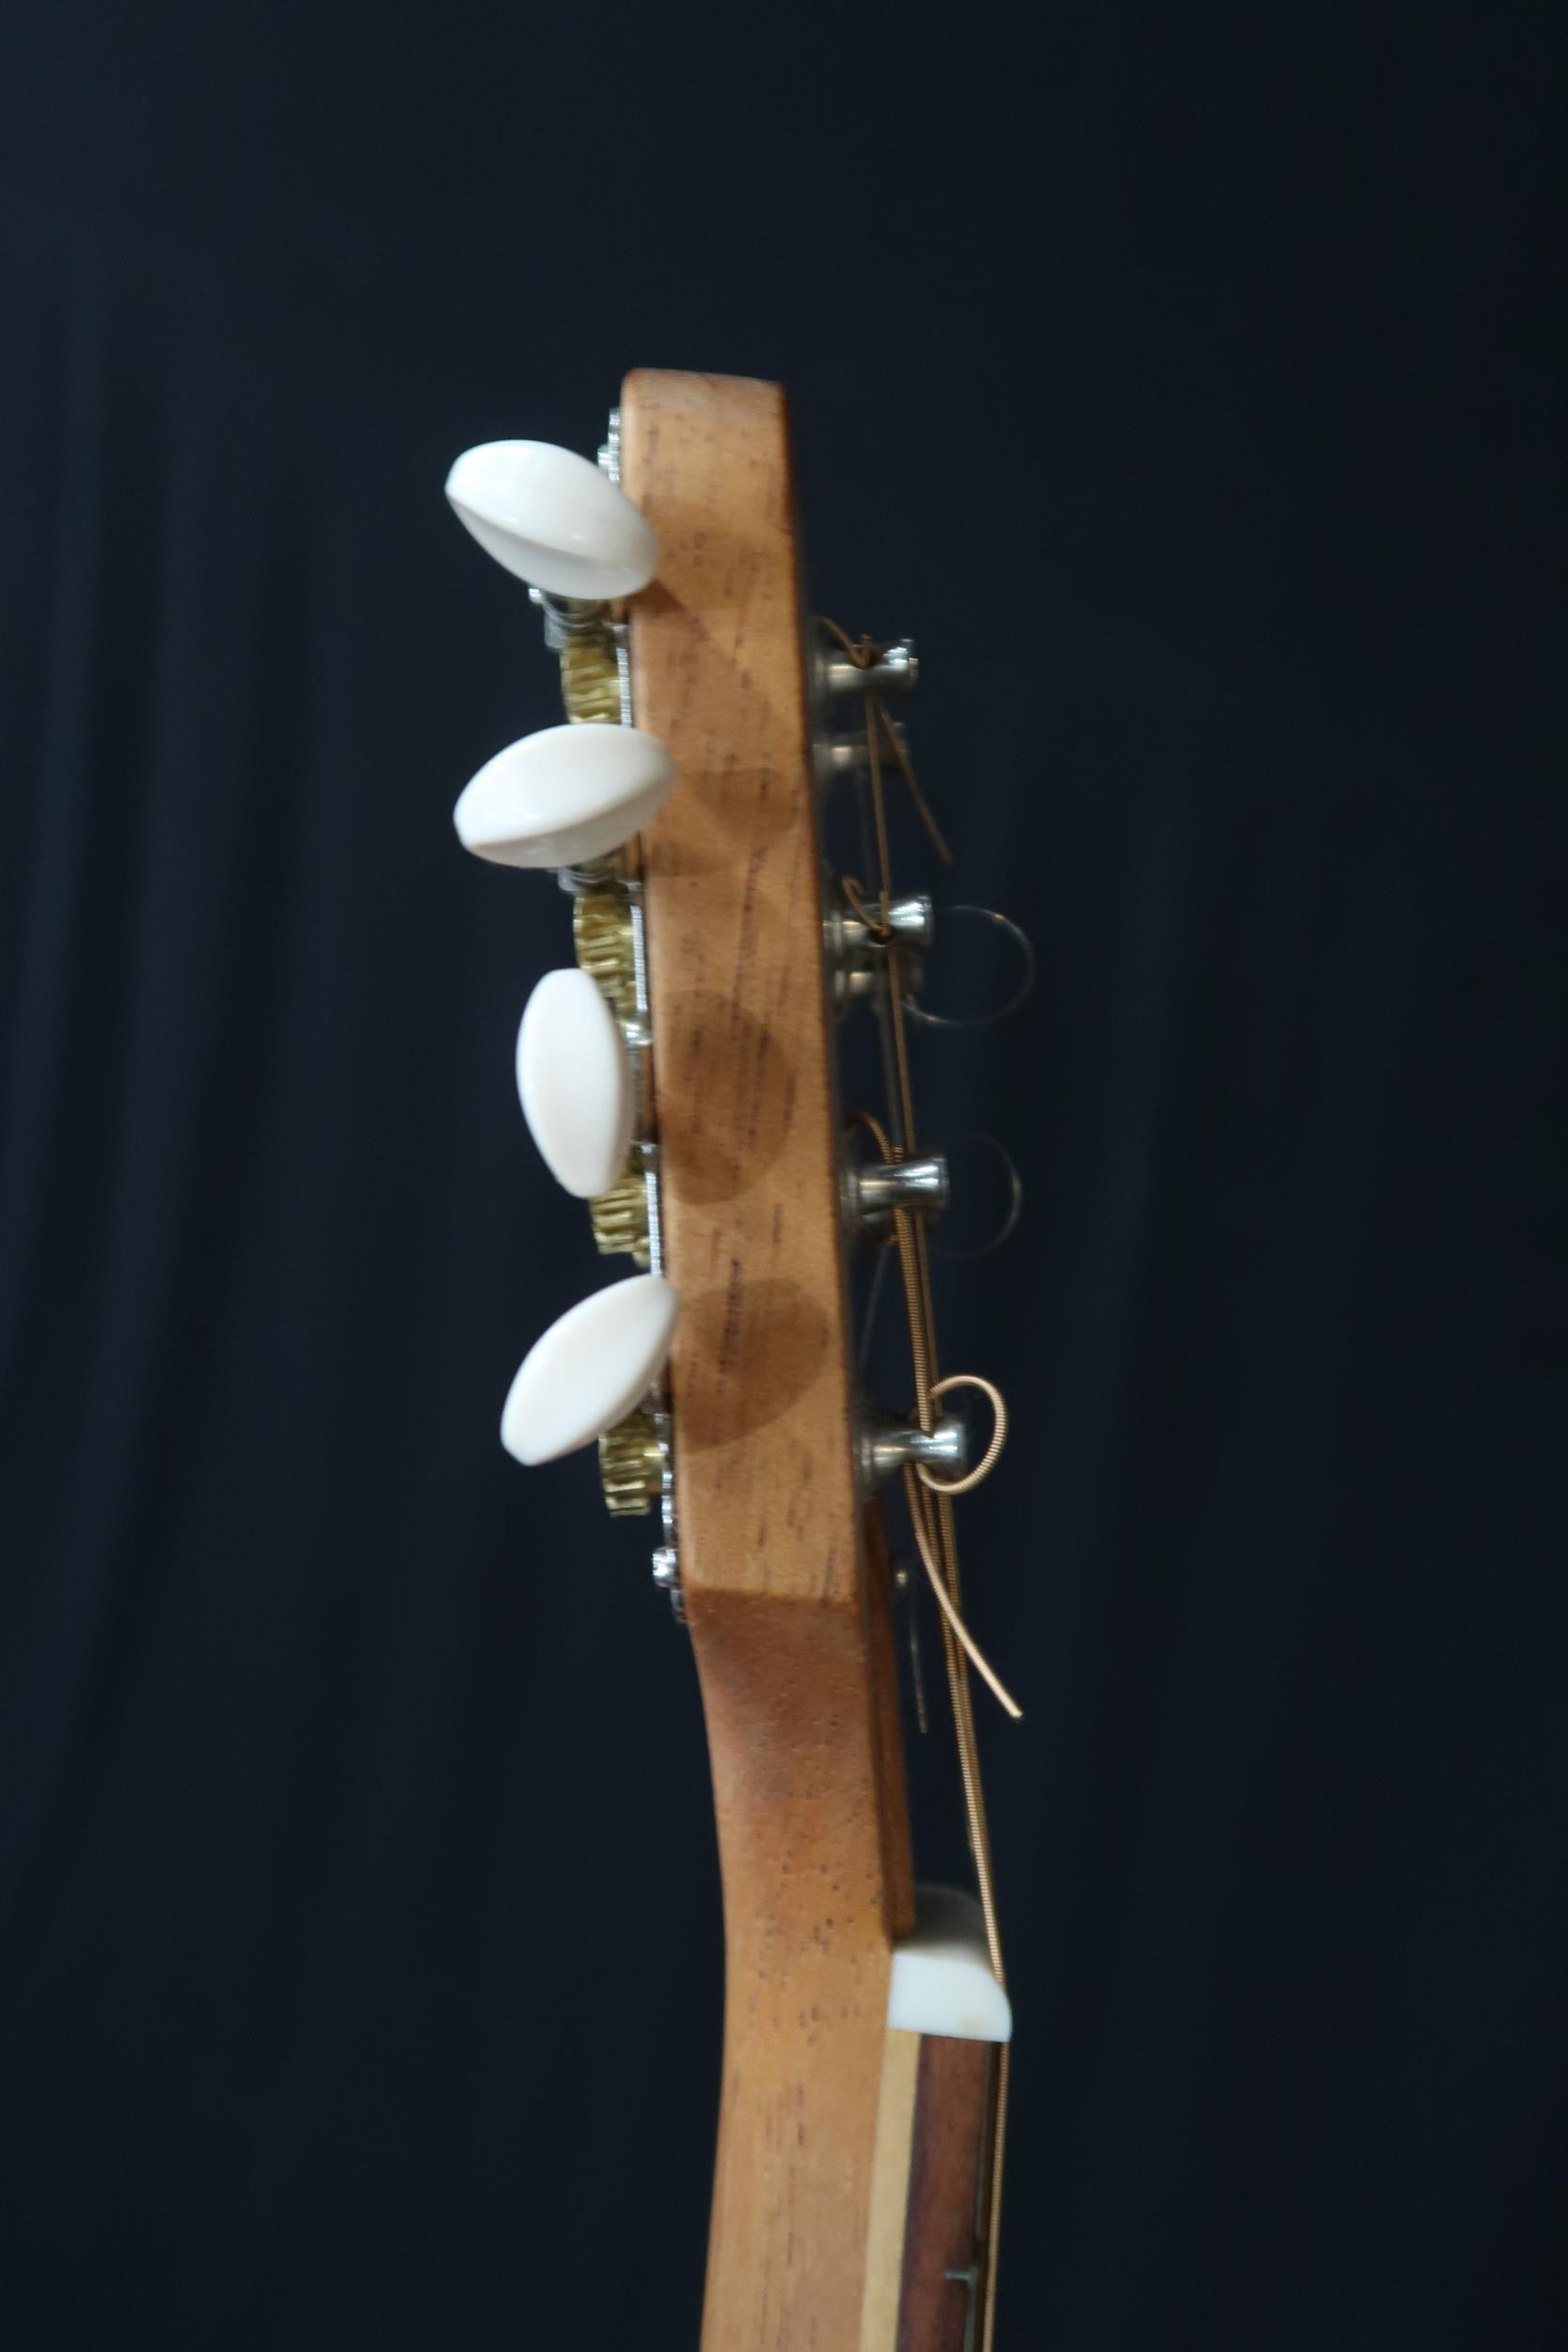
(890, 2193)
(797, 1686)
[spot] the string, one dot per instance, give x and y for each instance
(929, 1561)
(993, 1453)
(931, 1499)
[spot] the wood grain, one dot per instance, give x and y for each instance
(923, 2273)
(802, 1717)
(890, 2193)
(943, 2226)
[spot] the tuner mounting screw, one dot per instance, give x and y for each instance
(667, 1576)
(631, 1465)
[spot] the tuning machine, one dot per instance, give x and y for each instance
(839, 681)
(849, 755)
(874, 1189)
(895, 670)
(570, 797)
(575, 1082)
(590, 1370)
(605, 938)
(887, 1446)
(632, 1460)
(564, 796)
(857, 948)
(624, 1215)
(555, 519)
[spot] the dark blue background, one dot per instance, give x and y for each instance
(1185, 384)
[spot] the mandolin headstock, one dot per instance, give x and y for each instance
(682, 1075)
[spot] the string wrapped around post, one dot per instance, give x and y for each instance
(993, 1453)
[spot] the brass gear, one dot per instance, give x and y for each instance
(590, 681)
(602, 937)
(620, 1218)
(631, 1467)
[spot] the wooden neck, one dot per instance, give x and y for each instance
(802, 1714)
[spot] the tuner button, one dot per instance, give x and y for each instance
(574, 1080)
(553, 518)
(563, 797)
(590, 1369)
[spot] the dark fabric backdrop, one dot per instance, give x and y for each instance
(1184, 385)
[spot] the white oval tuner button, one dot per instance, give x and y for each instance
(590, 1368)
(573, 1079)
(564, 796)
(554, 519)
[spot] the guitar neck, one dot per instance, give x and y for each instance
(848, 2202)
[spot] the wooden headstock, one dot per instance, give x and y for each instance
(790, 1641)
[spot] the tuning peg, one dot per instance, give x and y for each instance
(563, 797)
(553, 518)
(895, 672)
(886, 1446)
(590, 1369)
(574, 1081)
(874, 1189)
